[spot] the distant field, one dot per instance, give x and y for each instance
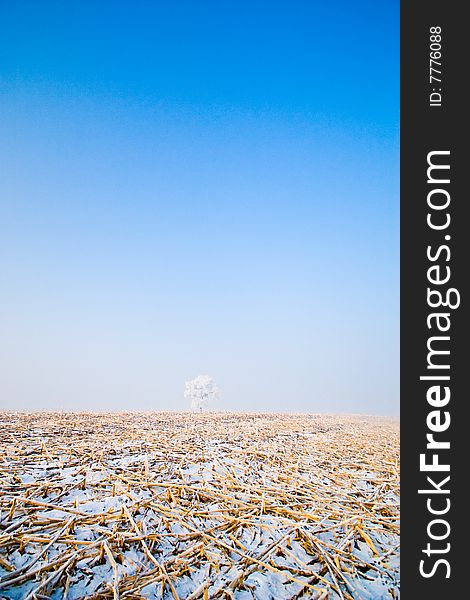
(165, 505)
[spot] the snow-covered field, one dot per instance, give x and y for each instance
(165, 505)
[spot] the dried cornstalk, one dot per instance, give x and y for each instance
(198, 506)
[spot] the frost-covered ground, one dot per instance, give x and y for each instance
(167, 505)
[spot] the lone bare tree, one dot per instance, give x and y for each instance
(201, 391)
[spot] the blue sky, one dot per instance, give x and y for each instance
(199, 187)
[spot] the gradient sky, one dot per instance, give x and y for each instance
(199, 187)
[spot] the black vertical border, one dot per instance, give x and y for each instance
(424, 129)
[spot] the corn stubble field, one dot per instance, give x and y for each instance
(167, 505)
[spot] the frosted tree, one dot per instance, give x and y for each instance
(201, 391)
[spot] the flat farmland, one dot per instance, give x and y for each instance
(211, 505)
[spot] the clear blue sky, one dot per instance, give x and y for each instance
(199, 187)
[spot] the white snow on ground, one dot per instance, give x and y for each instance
(165, 506)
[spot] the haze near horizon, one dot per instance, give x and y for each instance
(200, 188)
